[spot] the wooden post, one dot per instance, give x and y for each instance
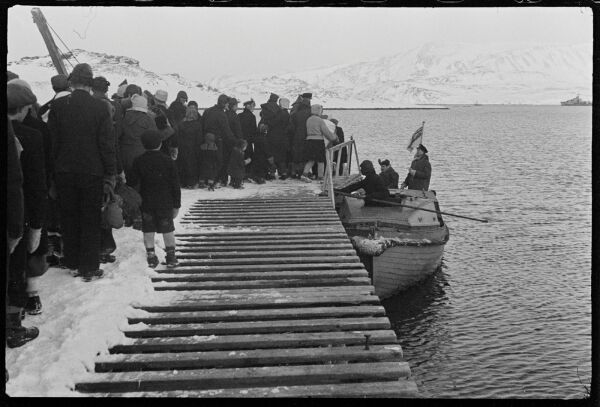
(40, 21)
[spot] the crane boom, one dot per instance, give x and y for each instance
(40, 21)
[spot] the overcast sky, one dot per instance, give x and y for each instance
(201, 43)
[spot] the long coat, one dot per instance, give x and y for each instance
(176, 113)
(249, 129)
(133, 125)
(214, 120)
(14, 187)
(189, 136)
(210, 161)
(156, 177)
(420, 180)
(277, 137)
(298, 123)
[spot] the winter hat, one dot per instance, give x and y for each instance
(422, 148)
(191, 112)
(316, 109)
(284, 103)
(161, 95)
(82, 74)
(273, 97)
(193, 103)
(18, 96)
(384, 162)
(367, 166)
(131, 90)
(59, 83)
(11, 75)
(222, 100)
(121, 90)
(210, 137)
(181, 94)
(100, 84)
(139, 103)
(306, 95)
(20, 82)
(151, 139)
(334, 121)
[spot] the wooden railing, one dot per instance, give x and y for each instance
(332, 168)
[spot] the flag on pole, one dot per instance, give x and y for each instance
(416, 139)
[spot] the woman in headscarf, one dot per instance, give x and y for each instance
(317, 135)
(189, 137)
(135, 122)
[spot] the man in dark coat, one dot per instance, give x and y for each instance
(236, 128)
(249, 128)
(19, 99)
(268, 115)
(298, 122)
(278, 142)
(85, 168)
(388, 175)
(177, 109)
(420, 171)
(215, 122)
(372, 185)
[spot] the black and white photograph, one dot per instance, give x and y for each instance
(300, 201)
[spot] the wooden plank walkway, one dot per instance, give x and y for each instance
(273, 302)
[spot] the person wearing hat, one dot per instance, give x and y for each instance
(419, 173)
(228, 145)
(163, 123)
(154, 175)
(84, 170)
(60, 85)
(135, 123)
(306, 95)
(263, 165)
(189, 138)
(249, 129)
(372, 184)
(298, 128)
(278, 141)
(177, 109)
(214, 120)
(317, 134)
(28, 259)
(388, 175)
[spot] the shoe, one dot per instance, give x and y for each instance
(152, 260)
(171, 259)
(34, 305)
(88, 276)
(16, 334)
(107, 258)
(305, 178)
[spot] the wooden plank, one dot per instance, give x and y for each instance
(184, 269)
(259, 315)
(270, 246)
(242, 377)
(261, 327)
(302, 234)
(259, 222)
(277, 260)
(247, 358)
(261, 242)
(266, 302)
(259, 294)
(299, 282)
(266, 252)
(390, 389)
(276, 275)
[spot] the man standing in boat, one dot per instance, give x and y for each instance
(419, 173)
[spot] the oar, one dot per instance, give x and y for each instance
(337, 191)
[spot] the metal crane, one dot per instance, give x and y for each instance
(40, 21)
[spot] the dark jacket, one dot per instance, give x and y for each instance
(113, 111)
(82, 137)
(42, 127)
(35, 190)
(390, 177)
(155, 176)
(298, 123)
(14, 188)
(176, 113)
(373, 186)
(236, 167)
(130, 145)
(278, 141)
(210, 161)
(420, 180)
(215, 122)
(163, 124)
(234, 124)
(189, 137)
(248, 125)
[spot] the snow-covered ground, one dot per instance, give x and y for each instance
(82, 320)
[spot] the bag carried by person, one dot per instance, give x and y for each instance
(112, 214)
(132, 201)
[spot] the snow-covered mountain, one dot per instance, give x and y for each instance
(436, 73)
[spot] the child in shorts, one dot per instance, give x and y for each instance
(154, 175)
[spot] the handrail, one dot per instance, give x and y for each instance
(332, 171)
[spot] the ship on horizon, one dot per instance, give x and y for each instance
(576, 101)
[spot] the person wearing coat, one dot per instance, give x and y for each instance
(84, 170)
(215, 122)
(177, 109)
(237, 164)
(278, 139)
(189, 136)
(228, 144)
(388, 175)
(317, 134)
(371, 184)
(135, 122)
(420, 171)
(298, 123)
(210, 161)
(249, 129)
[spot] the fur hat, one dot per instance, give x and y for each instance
(284, 103)
(139, 103)
(384, 162)
(82, 74)
(316, 109)
(100, 84)
(182, 94)
(422, 148)
(222, 99)
(306, 95)
(273, 97)
(151, 139)
(18, 96)
(59, 83)
(161, 95)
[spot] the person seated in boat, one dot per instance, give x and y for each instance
(388, 175)
(372, 185)
(419, 173)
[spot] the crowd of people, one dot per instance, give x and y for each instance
(67, 158)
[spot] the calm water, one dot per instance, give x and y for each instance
(509, 313)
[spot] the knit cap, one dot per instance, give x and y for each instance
(82, 74)
(161, 95)
(100, 84)
(222, 100)
(284, 103)
(181, 94)
(316, 109)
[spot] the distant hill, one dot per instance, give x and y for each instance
(436, 73)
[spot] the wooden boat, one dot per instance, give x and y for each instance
(399, 245)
